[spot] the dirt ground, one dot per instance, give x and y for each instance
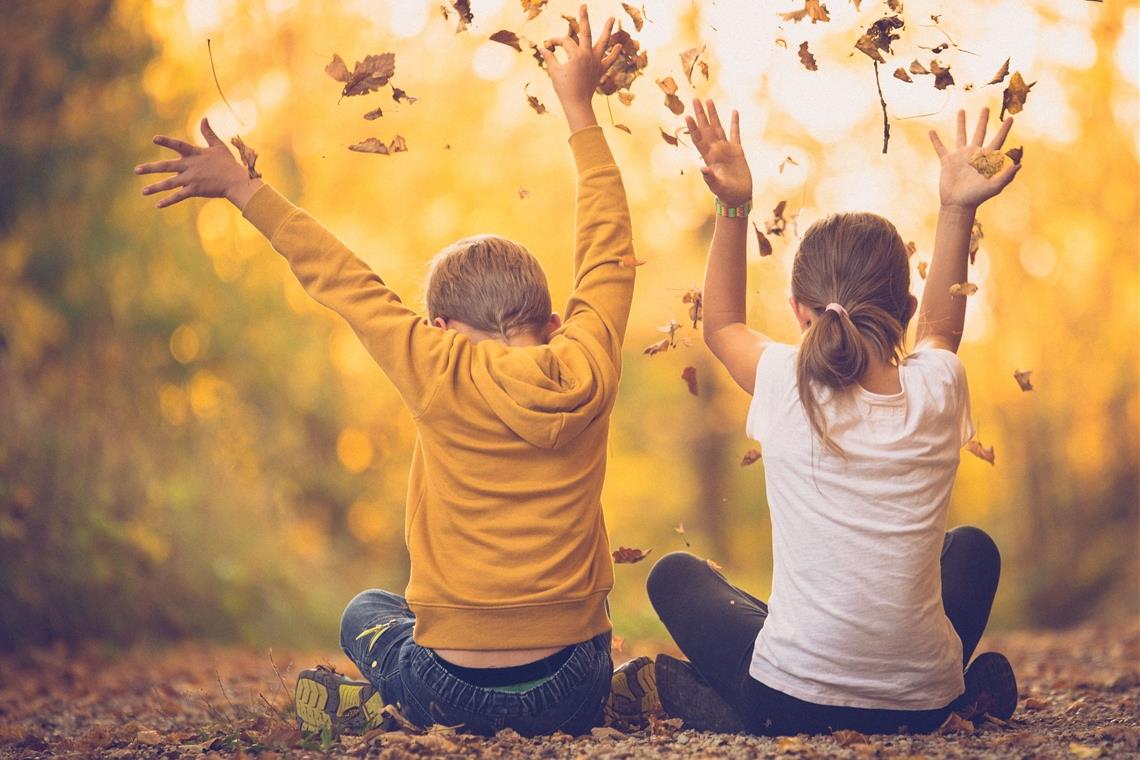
(1080, 698)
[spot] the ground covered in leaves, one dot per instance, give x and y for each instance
(1080, 697)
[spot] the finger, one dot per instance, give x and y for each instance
(184, 148)
(585, 36)
(699, 113)
(604, 41)
(695, 135)
(566, 43)
(714, 121)
(167, 184)
(548, 57)
(160, 167)
(980, 129)
(1006, 175)
(735, 128)
(961, 128)
(212, 138)
(1003, 130)
(936, 141)
(178, 197)
(610, 57)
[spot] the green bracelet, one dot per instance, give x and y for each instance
(735, 211)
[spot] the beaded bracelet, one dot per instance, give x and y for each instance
(735, 211)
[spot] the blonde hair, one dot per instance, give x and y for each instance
(858, 261)
(490, 283)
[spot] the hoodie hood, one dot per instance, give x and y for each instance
(546, 394)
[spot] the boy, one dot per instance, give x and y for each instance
(505, 621)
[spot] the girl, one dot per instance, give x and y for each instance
(874, 609)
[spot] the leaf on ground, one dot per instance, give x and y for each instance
(942, 76)
(1013, 99)
(987, 162)
(807, 59)
(655, 348)
(690, 60)
(624, 555)
(533, 7)
(1022, 378)
(975, 447)
(689, 375)
(628, 66)
(535, 103)
(791, 745)
(370, 74)
(750, 457)
(696, 305)
(629, 260)
(373, 115)
(1085, 751)
(680, 531)
(248, 156)
(955, 723)
(1001, 74)
(900, 73)
(507, 37)
(812, 9)
(922, 266)
(669, 86)
(762, 241)
(1015, 154)
(846, 738)
(1033, 703)
(637, 15)
(963, 289)
(148, 737)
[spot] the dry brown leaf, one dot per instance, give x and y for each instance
(373, 115)
(1015, 154)
(507, 37)
(1033, 703)
(955, 723)
(1077, 705)
(671, 139)
(671, 327)
(669, 86)
(846, 738)
(987, 162)
(791, 744)
(534, 102)
(623, 128)
(918, 68)
(370, 74)
(636, 15)
(963, 289)
(655, 348)
(910, 248)
(690, 59)
(625, 96)
(895, 5)
(787, 160)
(976, 237)
(628, 66)
(942, 76)
(463, 10)
(248, 156)
(807, 59)
(149, 738)
(1001, 74)
(371, 145)
(1013, 99)
(398, 145)
(866, 44)
(627, 556)
(533, 7)
(523, 193)
(696, 305)
(900, 73)
(812, 9)
(689, 375)
(398, 95)
(750, 457)
(975, 447)
(778, 224)
(922, 266)
(1085, 751)
(762, 241)
(782, 42)
(879, 36)
(629, 260)
(680, 531)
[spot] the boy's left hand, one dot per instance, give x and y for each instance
(576, 79)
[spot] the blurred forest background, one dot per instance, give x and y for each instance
(189, 447)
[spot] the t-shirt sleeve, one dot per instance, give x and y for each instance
(775, 375)
(951, 376)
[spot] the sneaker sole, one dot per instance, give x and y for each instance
(991, 677)
(633, 695)
(317, 704)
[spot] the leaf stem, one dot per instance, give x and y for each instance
(883, 103)
(214, 71)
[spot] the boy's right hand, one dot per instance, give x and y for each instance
(726, 169)
(576, 79)
(210, 172)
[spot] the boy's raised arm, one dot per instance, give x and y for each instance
(603, 287)
(962, 189)
(409, 350)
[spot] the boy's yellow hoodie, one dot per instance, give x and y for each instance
(504, 521)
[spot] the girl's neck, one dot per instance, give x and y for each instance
(882, 378)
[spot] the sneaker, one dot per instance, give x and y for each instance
(633, 695)
(685, 694)
(991, 689)
(328, 701)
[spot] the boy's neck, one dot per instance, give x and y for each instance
(521, 337)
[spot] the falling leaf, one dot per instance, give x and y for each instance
(672, 102)
(750, 457)
(942, 77)
(787, 160)
(910, 249)
(398, 145)
(680, 531)
(807, 59)
(371, 145)
(1013, 99)
(918, 68)
(976, 237)
(762, 240)
(626, 556)
(696, 305)
(373, 115)
(963, 289)
(533, 7)
(463, 10)
(866, 44)
(623, 128)
(523, 193)
(656, 348)
(636, 15)
(900, 73)
(922, 265)
(689, 375)
(778, 224)
(987, 162)
(975, 447)
(533, 100)
(370, 74)
(629, 64)
(782, 42)
(626, 97)
(1002, 73)
(1015, 154)
(507, 37)
(690, 59)
(671, 139)
(629, 260)
(812, 9)
(398, 95)
(671, 327)
(536, 53)
(879, 36)
(248, 156)
(1033, 703)
(955, 723)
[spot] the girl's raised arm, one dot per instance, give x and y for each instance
(726, 173)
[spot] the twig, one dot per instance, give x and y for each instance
(236, 711)
(276, 712)
(883, 103)
(214, 71)
(292, 704)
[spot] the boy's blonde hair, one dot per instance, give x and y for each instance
(490, 283)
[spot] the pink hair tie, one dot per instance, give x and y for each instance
(837, 309)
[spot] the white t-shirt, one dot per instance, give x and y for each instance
(855, 617)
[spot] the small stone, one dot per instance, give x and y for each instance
(150, 738)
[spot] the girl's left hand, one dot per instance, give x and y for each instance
(726, 169)
(961, 184)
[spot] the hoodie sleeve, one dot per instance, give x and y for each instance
(603, 288)
(412, 352)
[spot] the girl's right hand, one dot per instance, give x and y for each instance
(960, 184)
(726, 169)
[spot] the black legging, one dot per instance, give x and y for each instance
(715, 624)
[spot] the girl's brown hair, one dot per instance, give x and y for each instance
(858, 261)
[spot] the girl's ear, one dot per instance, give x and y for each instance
(911, 308)
(804, 314)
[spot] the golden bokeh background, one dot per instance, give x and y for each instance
(189, 446)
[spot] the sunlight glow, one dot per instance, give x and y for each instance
(492, 61)
(407, 18)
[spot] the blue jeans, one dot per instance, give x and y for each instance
(376, 634)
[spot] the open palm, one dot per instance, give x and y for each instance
(960, 183)
(726, 169)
